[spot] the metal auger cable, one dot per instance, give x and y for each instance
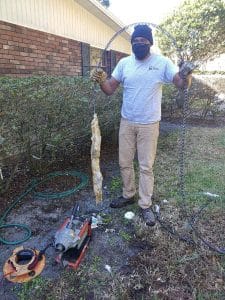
(182, 152)
(119, 32)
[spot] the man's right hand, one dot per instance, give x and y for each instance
(98, 75)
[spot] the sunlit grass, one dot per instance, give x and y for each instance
(204, 164)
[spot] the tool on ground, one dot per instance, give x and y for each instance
(39, 195)
(24, 264)
(72, 239)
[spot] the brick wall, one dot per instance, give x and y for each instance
(25, 52)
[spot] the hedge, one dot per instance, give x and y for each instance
(44, 116)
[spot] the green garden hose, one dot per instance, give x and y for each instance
(41, 195)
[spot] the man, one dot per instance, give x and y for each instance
(142, 75)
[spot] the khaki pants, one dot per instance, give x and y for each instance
(142, 138)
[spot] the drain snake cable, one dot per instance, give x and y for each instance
(40, 195)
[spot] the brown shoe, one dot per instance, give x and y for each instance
(148, 216)
(121, 202)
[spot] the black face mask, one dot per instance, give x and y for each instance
(141, 50)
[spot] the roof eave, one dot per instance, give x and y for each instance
(98, 10)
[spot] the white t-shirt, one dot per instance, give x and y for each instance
(142, 86)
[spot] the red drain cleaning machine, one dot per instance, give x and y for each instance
(72, 238)
(71, 241)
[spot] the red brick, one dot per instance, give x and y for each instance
(31, 51)
(5, 27)
(6, 47)
(17, 39)
(4, 36)
(4, 61)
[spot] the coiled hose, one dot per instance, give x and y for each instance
(41, 195)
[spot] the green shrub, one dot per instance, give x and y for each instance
(202, 99)
(44, 116)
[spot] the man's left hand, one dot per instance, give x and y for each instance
(185, 71)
